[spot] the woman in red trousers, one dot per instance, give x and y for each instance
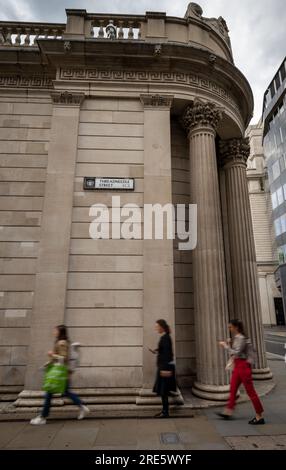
(239, 350)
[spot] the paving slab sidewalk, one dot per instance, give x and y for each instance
(204, 431)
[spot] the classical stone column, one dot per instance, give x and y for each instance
(158, 297)
(210, 293)
(243, 267)
(54, 246)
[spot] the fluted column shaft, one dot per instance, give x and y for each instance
(243, 265)
(210, 293)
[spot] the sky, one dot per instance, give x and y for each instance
(257, 27)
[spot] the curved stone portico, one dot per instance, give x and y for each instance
(161, 102)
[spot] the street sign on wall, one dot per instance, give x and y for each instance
(93, 183)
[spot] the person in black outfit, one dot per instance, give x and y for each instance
(166, 378)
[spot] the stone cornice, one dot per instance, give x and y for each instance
(67, 98)
(156, 101)
(234, 152)
(201, 114)
(220, 77)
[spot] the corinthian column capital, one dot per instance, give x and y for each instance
(67, 98)
(234, 152)
(157, 101)
(200, 113)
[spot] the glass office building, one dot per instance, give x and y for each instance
(274, 142)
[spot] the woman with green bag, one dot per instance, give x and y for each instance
(56, 378)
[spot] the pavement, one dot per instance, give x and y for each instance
(203, 431)
(239, 435)
(275, 339)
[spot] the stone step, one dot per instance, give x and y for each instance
(30, 402)
(13, 413)
(29, 398)
(9, 393)
(107, 400)
(10, 397)
(153, 400)
(87, 392)
(192, 405)
(10, 389)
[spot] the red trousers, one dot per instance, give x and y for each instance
(242, 375)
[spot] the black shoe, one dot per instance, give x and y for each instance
(255, 421)
(162, 414)
(224, 416)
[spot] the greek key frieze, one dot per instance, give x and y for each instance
(19, 81)
(146, 76)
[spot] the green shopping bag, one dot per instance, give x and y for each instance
(55, 378)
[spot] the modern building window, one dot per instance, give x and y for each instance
(282, 164)
(274, 200)
(267, 98)
(283, 72)
(278, 228)
(277, 81)
(278, 137)
(281, 256)
(267, 144)
(270, 174)
(280, 197)
(272, 89)
(275, 141)
(276, 170)
(284, 190)
(283, 223)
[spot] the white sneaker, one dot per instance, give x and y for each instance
(84, 410)
(39, 420)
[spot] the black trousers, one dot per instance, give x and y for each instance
(165, 404)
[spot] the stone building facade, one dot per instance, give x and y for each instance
(264, 235)
(149, 97)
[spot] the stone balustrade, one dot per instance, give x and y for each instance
(193, 29)
(15, 34)
(125, 27)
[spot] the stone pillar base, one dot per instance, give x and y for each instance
(262, 374)
(211, 392)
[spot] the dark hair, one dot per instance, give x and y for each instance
(164, 325)
(239, 325)
(62, 333)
